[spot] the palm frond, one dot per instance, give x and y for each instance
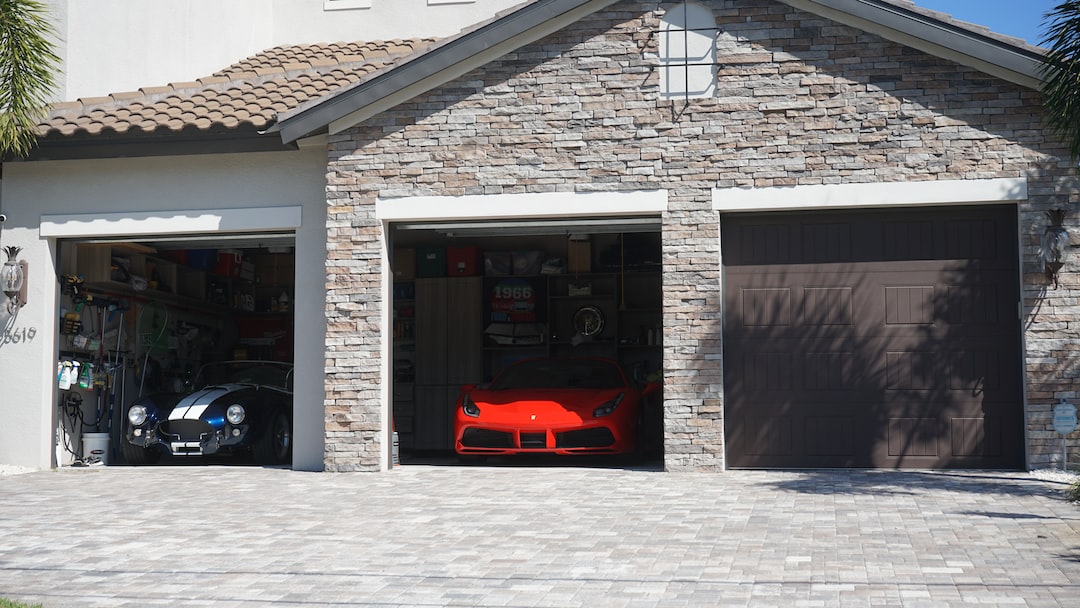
(28, 65)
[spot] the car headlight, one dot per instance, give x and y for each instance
(469, 407)
(608, 406)
(235, 414)
(137, 414)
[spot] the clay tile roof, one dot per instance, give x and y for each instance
(251, 92)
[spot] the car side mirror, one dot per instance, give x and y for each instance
(650, 388)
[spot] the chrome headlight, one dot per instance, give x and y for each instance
(235, 414)
(137, 414)
(469, 407)
(608, 406)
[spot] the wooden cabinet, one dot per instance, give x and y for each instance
(129, 268)
(448, 333)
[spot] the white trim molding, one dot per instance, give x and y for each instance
(521, 206)
(881, 194)
(345, 5)
(246, 219)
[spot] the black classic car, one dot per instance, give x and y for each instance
(242, 407)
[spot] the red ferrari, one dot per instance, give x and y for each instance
(578, 405)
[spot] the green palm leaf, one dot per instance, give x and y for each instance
(28, 65)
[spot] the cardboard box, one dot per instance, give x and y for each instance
(404, 264)
(430, 262)
(463, 261)
(579, 256)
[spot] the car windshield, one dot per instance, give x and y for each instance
(268, 373)
(560, 373)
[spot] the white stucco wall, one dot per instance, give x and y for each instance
(159, 184)
(111, 46)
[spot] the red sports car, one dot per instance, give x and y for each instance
(577, 405)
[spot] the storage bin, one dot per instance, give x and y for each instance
(430, 262)
(463, 261)
(202, 259)
(228, 263)
(528, 262)
(497, 263)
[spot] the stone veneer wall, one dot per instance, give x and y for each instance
(800, 100)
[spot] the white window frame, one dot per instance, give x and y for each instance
(688, 52)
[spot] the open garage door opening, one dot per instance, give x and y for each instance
(873, 339)
(470, 300)
(176, 349)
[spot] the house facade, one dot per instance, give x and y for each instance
(834, 216)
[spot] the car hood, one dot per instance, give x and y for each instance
(193, 405)
(531, 400)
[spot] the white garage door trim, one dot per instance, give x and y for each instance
(190, 221)
(520, 206)
(881, 194)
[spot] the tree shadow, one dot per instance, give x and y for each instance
(880, 482)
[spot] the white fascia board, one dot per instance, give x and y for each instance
(882, 194)
(522, 206)
(134, 223)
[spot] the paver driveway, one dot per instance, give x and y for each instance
(532, 536)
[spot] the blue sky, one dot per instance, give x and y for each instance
(1020, 18)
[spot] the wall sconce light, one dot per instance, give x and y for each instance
(1055, 244)
(13, 279)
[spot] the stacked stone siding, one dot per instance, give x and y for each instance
(800, 100)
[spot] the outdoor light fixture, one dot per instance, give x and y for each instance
(1055, 244)
(13, 279)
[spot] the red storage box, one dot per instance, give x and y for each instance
(463, 261)
(228, 263)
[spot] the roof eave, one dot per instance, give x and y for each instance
(440, 65)
(1009, 62)
(82, 147)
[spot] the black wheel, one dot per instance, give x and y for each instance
(275, 445)
(134, 454)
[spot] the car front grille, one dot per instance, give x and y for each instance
(186, 430)
(485, 438)
(599, 437)
(534, 440)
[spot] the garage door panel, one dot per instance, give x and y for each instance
(895, 345)
(766, 307)
(976, 437)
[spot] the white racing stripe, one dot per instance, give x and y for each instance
(191, 412)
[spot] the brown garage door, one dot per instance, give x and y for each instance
(873, 339)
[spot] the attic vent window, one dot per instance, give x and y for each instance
(688, 52)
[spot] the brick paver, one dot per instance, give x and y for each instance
(534, 536)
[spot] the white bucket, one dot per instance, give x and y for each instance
(96, 445)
